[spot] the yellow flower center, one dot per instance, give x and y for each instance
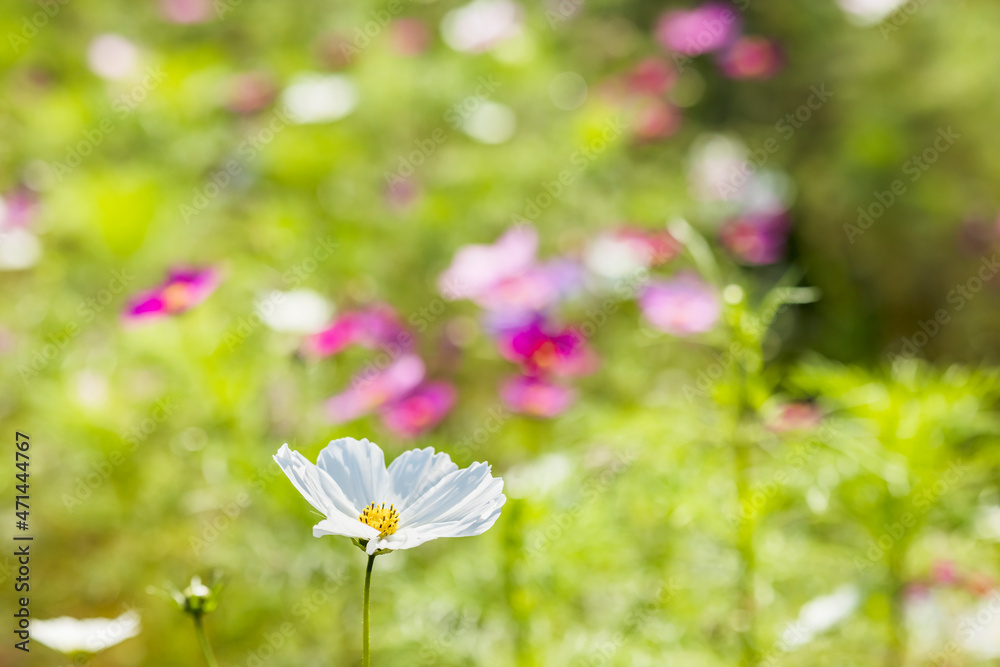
(383, 519)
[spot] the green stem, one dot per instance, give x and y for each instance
(206, 648)
(366, 658)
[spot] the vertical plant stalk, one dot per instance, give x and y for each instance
(896, 586)
(206, 648)
(366, 658)
(746, 521)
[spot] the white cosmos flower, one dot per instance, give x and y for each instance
(90, 635)
(420, 497)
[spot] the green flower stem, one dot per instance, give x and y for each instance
(366, 658)
(206, 648)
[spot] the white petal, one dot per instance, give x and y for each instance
(358, 468)
(407, 538)
(414, 472)
(338, 524)
(315, 485)
(464, 495)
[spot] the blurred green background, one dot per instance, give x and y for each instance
(627, 538)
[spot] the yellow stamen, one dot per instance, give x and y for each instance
(383, 519)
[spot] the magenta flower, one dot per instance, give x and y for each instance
(536, 396)
(751, 58)
(540, 349)
(183, 289)
(478, 268)
(683, 306)
(419, 411)
(373, 389)
(691, 32)
(757, 239)
(373, 327)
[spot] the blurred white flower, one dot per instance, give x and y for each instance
(716, 167)
(112, 56)
(539, 477)
(320, 98)
(300, 311)
(979, 630)
(988, 523)
(19, 250)
(481, 24)
(870, 11)
(491, 123)
(421, 496)
(92, 635)
(821, 614)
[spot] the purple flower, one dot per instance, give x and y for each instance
(183, 289)
(751, 58)
(536, 396)
(373, 389)
(373, 327)
(709, 27)
(683, 306)
(420, 410)
(757, 239)
(541, 349)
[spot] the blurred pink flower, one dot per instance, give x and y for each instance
(186, 11)
(944, 573)
(541, 349)
(18, 208)
(250, 92)
(683, 306)
(183, 289)
(751, 58)
(626, 250)
(373, 327)
(410, 36)
(652, 76)
(655, 119)
(537, 288)
(691, 32)
(536, 396)
(757, 239)
(420, 410)
(796, 417)
(476, 269)
(373, 389)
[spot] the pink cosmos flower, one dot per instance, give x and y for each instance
(537, 288)
(373, 327)
(183, 289)
(751, 58)
(757, 239)
(796, 417)
(18, 208)
(410, 36)
(536, 396)
(371, 390)
(652, 76)
(420, 410)
(186, 11)
(655, 119)
(541, 349)
(709, 27)
(476, 269)
(250, 92)
(683, 306)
